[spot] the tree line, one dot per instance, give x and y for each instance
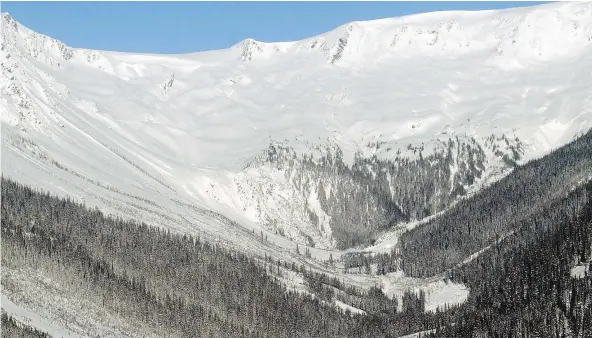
(13, 329)
(179, 285)
(524, 287)
(520, 198)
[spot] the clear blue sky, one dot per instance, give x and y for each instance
(182, 27)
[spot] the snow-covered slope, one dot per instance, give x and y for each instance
(183, 141)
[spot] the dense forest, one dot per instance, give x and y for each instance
(530, 230)
(13, 329)
(524, 287)
(181, 286)
(518, 200)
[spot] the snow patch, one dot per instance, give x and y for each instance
(352, 309)
(438, 293)
(34, 320)
(580, 271)
(314, 206)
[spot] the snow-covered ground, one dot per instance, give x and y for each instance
(417, 334)
(166, 139)
(183, 126)
(438, 292)
(32, 319)
(346, 307)
(38, 301)
(580, 271)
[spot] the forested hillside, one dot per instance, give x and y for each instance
(179, 286)
(12, 329)
(527, 285)
(521, 199)
(429, 174)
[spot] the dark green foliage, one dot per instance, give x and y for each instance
(12, 329)
(520, 199)
(534, 225)
(180, 286)
(373, 301)
(523, 287)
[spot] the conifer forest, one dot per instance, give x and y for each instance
(381, 170)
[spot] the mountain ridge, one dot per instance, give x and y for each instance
(191, 123)
(418, 18)
(321, 156)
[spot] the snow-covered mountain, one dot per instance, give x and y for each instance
(326, 142)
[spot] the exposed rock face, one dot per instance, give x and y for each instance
(326, 199)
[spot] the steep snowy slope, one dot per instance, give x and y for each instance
(325, 142)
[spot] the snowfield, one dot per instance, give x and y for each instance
(172, 140)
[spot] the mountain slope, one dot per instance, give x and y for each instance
(527, 285)
(94, 275)
(302, 152)
(122, 277)
(146, 135)
(506, 206)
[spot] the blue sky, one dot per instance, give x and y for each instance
(183, 27)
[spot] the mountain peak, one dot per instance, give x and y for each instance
(252, 49)
(8, 20)
(520, 33)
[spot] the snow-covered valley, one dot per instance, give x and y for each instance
(325, 144)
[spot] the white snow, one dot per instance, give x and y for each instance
(417, 334)
(165, 138)
(50, 306)
(32, 319)
(580, 271)
(442, 293)
(315, 206)
(352, 309)
(438, 293)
